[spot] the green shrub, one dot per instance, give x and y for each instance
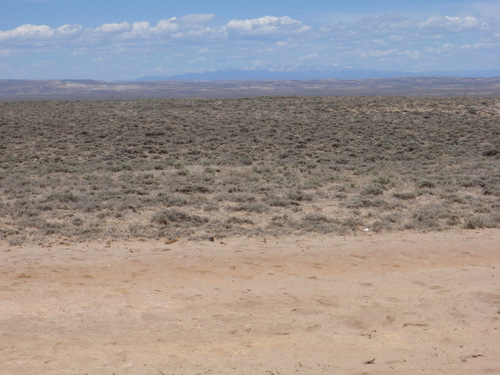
(404, 195)
(426, 184)
(167, 217)
(473, 223)
(382, 180)
(239, 220)
(65, 197)
(373, 189)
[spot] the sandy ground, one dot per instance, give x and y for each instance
(402, 303)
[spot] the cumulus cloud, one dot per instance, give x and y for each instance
(389, 28)
(68, 29)
(37, 35)
(376, 39)
(27, 32)
(451, 24)
(186, 26)
(196, 26)
(266, 26)
(113, 28)
(139, 30)
(195, 19)
(388, 23)
(395, 26)
(167, 26)
(393, 38)
(189, 24)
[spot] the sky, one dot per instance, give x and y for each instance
(125, 40)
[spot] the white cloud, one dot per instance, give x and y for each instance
(167, 26)
(138, 30)
(447, 23)
(113, 27)
(195, 28)
(266, 26)
(196, 19)
(400, 26)
(38, 34)
(191, 25)
(27, 32)
(68, 29)
(382, 33)
(388, 23)
(204, 40)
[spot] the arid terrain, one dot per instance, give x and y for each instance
(104, 90)
(269, 235)
(200, 168)
(400, 303)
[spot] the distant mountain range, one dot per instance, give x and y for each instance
(238, 87)
(253, 75)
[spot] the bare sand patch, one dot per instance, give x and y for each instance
(369, 304)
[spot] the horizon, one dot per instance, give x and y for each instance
(218, 76)
(111, 41)
(229, 75)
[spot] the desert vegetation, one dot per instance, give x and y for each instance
(200, 168)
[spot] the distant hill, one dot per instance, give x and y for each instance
(223, 75)
(227, 88)
(245, 75)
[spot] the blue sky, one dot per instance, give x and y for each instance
(124, 40)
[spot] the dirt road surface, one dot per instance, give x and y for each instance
(405, 303)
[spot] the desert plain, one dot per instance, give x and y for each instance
(270, 235)
(399, 303)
